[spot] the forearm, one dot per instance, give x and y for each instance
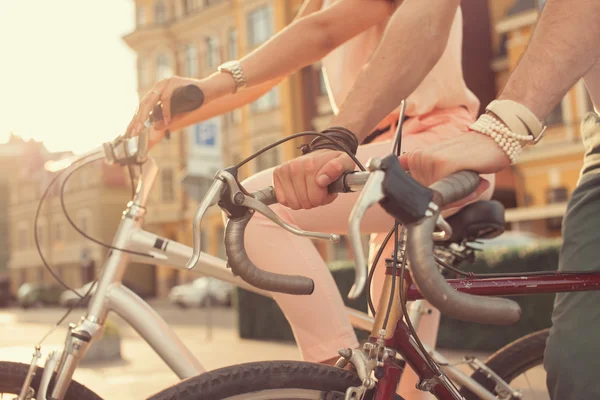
(563, 47)
(223, 105)
(412, 44)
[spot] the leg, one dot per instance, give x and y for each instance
(573, 350)
(318, 320)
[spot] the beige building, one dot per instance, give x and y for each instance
(95, 197)
(191, 38)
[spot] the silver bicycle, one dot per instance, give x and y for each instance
(131, 243)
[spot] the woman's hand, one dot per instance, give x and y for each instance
(213, 87)
(302, 182)
(161, 92)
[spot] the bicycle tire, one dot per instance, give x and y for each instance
(12, 377)
(260, 378)
(511, 361)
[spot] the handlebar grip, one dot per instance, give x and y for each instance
(240, 264)
(456, 187)
(349, 182)
(266, 196)
(184, 99)
(425, 273)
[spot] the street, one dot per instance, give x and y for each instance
(142, 373)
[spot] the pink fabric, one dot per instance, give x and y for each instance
(443, 87)
(319, 322)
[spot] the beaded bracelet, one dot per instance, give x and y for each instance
(511, 143)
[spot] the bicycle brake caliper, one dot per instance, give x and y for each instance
(503, 389)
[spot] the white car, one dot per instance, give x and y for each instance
(202, 292)
(68, 298)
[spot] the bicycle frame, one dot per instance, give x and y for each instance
(111, 295)
(400, 339)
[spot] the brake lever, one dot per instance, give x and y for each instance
(371, 194)
(212, 197)
(241, 198)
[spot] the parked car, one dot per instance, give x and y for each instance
(68, 298)
(511, 239)
(38, 294)
(202, 292)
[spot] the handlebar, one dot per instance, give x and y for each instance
(240, 263)
(184, 99)
(426, 275)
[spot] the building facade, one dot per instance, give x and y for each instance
(191, 38)
(95, 197)
(547, 173)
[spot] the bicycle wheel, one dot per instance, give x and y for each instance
(281, 380)
(513, 363)
(12, 377)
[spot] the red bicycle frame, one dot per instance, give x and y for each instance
(400, 339)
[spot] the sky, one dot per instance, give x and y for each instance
(66, 76)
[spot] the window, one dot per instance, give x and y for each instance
(59, 232)
(187, 6)
(267, 102)
(141, 16)
(268, 159)
(555, 117)
(41, 232)
(168, 191)
(260, 25)
(143, 73)
(22, 236)
(232, 39)
(163, 67)
(212, 52)
(84, 223)
(160, 13)
(191, 60)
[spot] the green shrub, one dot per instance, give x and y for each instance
(261, 318)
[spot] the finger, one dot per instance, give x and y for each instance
(316, 194)
(329, 198)
(165, 100)
(298, 176)
(333, 170)
(285, 179)
(278, 188)
(146, 105)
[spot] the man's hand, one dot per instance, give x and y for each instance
(469, 151)
(302, 183)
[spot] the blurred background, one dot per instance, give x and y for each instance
(70, 78)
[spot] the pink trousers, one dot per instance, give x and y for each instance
(319, 321)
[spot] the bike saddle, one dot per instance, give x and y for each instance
(480, 220)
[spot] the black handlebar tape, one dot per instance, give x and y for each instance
(184, 99)
(240, 264)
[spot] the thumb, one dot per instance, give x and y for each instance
(333, 169)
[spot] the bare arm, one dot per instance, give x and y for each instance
(411, 46)
(563, 48)
(312, 34)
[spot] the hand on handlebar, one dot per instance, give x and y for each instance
(302, 183)
(470, 151)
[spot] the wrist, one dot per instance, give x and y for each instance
(217, 85)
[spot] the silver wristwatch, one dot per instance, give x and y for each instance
(234, 69)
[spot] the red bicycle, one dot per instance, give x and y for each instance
(376, 369)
